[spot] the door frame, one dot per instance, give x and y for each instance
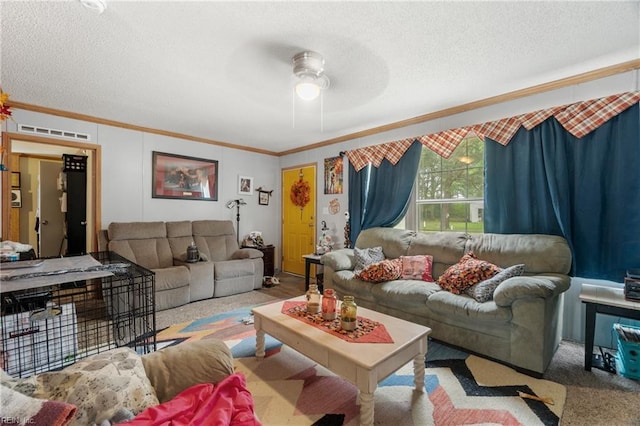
(285, 194)
(93, 180)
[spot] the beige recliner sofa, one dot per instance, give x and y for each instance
(161, 247)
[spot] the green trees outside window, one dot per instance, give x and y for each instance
(450, 192)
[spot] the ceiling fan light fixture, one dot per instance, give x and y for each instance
(309, 68)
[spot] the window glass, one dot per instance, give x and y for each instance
(449, 192)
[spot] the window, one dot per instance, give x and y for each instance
(450, 192)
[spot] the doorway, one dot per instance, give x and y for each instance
(20, 225)
(298, 222)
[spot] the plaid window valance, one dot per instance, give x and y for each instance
(578, 118)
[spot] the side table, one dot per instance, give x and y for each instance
(308, 260)
(268, 259)
(603, 300)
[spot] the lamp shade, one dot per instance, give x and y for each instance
(307, 89)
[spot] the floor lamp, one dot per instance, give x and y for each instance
(237, 203)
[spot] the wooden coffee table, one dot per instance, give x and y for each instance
(363, 364)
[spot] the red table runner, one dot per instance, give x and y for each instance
(367, 331)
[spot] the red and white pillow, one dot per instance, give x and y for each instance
(417, 267)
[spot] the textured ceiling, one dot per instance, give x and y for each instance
(222, 70)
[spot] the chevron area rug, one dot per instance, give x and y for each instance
(460, 389)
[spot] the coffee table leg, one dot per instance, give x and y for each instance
(418, 372)
(366, 408)
(259, 337)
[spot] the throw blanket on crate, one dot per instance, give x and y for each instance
(21, 409)
(228, 402)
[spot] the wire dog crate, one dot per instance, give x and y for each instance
(47, 327)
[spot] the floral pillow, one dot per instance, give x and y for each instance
(468, 271)
(105, 386)
(366, 256)
(417, 267)
(483, 291)
(387, 270)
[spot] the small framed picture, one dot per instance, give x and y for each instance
(15, 179)
(16, 198)
(263, 198)
(245, 185)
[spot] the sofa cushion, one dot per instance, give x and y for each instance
(483, 291)
(417, 267)
(396, 242)
(215, 238)
(232, 269)
(349, 284)
(387, 270)
(464, 308)
(366, 256)
(170, 278)
(467, 272)
(409, 295)
(100, 386)
(208, 361)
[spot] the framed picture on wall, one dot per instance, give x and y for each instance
(16, 198)
(333, 171)
(263, 198)
(182, 177)
(245, 185)
(15, 179)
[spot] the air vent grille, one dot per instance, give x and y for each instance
(43, 131)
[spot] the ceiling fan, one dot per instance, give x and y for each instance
(308, 66)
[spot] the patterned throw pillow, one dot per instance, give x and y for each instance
(387, 270)
(417, 267)
(483, 291)
(366, 256)
(102, 386)
(468, 271)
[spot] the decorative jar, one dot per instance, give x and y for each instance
(192, 253)
(313, 299)
(329, 305)
(348, 314)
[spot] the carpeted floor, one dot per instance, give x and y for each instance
(593, 398)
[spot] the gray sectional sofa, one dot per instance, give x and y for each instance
(521, 326)
(224, 269)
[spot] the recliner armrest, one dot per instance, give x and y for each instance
(339, 260)
(246, 253)
(543, 286)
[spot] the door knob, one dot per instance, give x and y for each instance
(83, 223)
(45, 222)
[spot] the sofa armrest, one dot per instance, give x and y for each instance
(339, 260)
(542, 286)
(176, 368)
(246, 253)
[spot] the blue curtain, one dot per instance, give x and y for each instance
(588, 190)
(380, 196)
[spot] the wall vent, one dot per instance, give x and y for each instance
(43, 131)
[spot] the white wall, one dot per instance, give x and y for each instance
(127, 182)
(574, 310)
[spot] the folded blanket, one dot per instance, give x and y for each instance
(21, 409)
(227, 403)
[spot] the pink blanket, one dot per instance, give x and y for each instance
(226, 403)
